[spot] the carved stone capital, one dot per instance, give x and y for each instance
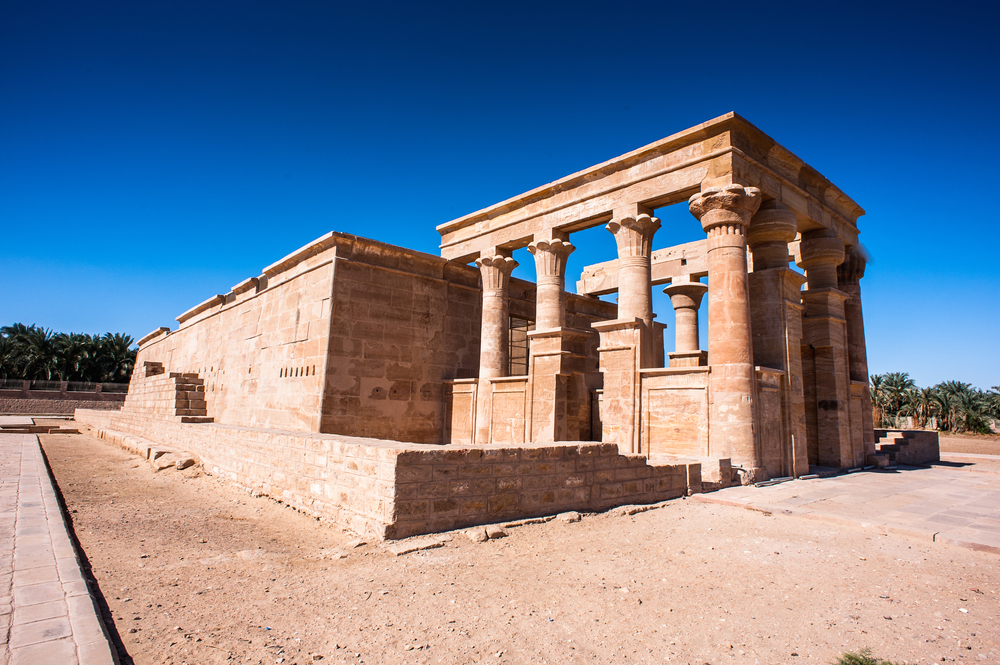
(852, 269)
(634, 235)
(686, 295)
(550, 257)
(732, 205)
(495, 271)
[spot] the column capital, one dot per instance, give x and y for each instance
(686, 295)
(495, 271)
(732, 205)
(634, 235)
(852, 269)
(770, 231)
(820, 255)
(550, 257)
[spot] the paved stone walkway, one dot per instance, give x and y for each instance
(46, 612)
(939, 504)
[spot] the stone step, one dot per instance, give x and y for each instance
(191, 412)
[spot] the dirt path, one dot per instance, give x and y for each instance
(195, 571)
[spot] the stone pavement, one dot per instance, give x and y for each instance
(939, 504)
(46, 612)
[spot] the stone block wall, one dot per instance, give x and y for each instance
(402, 323)
(260, 348)
(385, 489)
(909, 446)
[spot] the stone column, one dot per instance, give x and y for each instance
(685, 296)
(776, 321)
(849, 275)
(633, 231)
(556, 384)
(494, 337)
(826, 372)
(724, 213)
(493, 340)
(550, 269)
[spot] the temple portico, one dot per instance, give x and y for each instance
(779, 387)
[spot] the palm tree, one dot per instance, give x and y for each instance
(877, 390)
(37, 353)
(118, 357)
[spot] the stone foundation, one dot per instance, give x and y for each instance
(386, 489)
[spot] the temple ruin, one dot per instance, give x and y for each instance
(397, 392)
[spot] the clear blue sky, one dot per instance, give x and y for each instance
(153, 154)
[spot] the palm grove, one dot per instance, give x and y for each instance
(37, 354)
(949, 406)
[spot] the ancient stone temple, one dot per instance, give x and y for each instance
(399, 392)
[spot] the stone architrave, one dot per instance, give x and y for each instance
(494, 337)
(724, 213)
(849, 275)
(685, 296)
(826, 373)
(633, 231)
(776, 322)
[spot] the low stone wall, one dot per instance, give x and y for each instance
(385, 489)
(913, 446)
(44, 403)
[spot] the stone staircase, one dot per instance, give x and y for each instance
(907, 446)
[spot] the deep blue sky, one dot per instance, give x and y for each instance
(153, 154)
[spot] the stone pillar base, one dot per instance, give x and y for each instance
(688, 358)
(620, 361)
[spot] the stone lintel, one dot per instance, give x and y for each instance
(455, 382)
(685, 260)
(201, 307)
(153, 335)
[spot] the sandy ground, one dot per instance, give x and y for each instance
(195, 571)
(970, 443)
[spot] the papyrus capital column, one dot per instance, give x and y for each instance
(685, 296)
(550, 269)
(724, 213)
(493, 354)
(633, 234)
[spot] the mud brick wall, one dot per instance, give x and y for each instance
(384, 489)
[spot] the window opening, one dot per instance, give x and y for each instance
(519, 346)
